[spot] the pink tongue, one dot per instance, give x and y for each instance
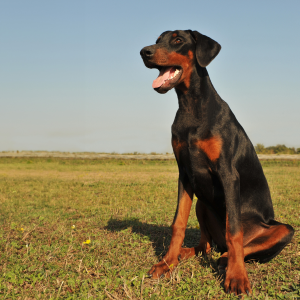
(162, 77)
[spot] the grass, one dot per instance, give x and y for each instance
(91, 229)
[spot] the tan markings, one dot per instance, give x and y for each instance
(212, 147)
(236, 276)
(189, 70)
(163, 58)
(177, 146)
(263, 238)
(160, 57)
(235, 248)
(270, 236)
(185, 62)
(179, 225)
(170, 260)
(174, 34)
(186, 253)
(234, 245)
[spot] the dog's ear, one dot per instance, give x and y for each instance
(206, 48)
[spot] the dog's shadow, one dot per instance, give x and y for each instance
(160, 236)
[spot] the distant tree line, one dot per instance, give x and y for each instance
(278, 149)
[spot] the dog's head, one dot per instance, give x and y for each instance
(175, 54)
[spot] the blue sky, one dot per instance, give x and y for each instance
(71, 77)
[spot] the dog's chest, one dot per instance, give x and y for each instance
(194, 144)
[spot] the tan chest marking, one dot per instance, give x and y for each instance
(211, 147)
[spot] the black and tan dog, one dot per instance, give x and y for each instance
(216, 162)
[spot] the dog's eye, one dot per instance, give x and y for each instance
(178, 41)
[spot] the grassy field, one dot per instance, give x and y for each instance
(91, 229)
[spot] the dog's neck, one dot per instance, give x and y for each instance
(200, 96)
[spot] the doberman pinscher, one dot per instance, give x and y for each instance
(217, 162)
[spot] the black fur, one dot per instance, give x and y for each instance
(233, 185)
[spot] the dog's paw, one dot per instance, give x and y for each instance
(186, 253)
(163, 269)
(237, 282)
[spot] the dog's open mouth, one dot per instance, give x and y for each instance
(166, 77)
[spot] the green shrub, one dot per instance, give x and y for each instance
(278, 149)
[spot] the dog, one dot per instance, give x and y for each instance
(216, 162)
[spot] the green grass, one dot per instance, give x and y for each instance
(125, 208)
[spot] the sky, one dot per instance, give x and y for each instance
(72, 79)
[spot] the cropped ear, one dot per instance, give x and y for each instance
(206, 48)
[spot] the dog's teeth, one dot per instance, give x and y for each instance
(175, 74)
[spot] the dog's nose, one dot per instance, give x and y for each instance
(147, 52)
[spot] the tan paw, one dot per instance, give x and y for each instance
(163, 269)
(237, 282)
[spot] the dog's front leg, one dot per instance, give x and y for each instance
(236, 281)
(170, 260)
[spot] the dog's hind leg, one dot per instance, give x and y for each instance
(267, 241)
(262, 242)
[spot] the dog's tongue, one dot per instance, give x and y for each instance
(162, 77)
